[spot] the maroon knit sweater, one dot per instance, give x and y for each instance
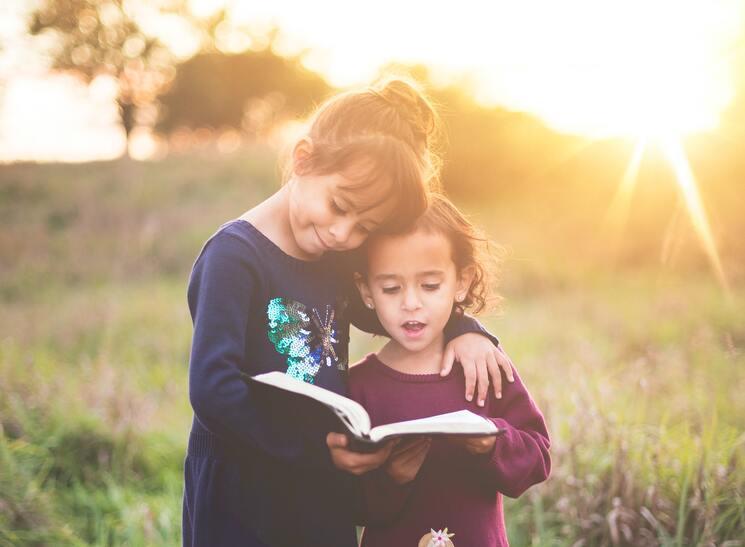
(453, 488)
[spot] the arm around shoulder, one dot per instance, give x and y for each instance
(462, 323)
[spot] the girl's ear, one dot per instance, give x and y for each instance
(463, 285)
(300, 155)
(364, 289)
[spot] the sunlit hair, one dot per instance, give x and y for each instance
(383, 136)
(469, 248)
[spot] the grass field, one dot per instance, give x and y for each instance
(639, 370)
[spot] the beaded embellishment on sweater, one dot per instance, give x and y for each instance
(440, 538)
(307, 337)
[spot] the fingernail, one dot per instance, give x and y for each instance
(481, 402)
(469, 397)
(499, 395)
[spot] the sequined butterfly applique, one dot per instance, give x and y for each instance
(307, 338)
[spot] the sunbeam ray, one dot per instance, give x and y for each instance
(675, 154)
(618, 211)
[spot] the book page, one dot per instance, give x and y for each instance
(350, 412)
(460, 422)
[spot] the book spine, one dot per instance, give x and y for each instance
(364, 446)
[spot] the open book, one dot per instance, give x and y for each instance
(357, 422)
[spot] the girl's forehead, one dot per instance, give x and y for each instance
(368, 198)
(421, 245)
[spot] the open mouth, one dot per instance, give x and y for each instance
(413, 328)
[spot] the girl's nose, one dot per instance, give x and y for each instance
(341, 231)
(411, 300)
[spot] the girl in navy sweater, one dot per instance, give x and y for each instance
(269, 291)
(417, 282)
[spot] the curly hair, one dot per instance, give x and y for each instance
(469, 247)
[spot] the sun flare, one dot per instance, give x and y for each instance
(619, 209)
(673, 150)
(637, 68)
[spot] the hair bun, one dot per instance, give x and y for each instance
(412, 105)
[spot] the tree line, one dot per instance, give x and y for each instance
(488, 150)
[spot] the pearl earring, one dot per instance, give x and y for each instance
(459, 298)
(370, 305)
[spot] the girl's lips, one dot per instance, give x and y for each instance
(413, 329)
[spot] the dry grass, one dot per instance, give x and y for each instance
(639, 369)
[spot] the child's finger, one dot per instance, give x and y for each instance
(422, 451)
(407, 446)
(483, 380)
(479, 445)
(413, 455)
(359, 463)
(447, 361)
(505, 362)
(336, 440)
(496, 377)
(469, 372)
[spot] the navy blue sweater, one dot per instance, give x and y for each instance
(256, 472)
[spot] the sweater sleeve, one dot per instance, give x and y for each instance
(520, 457)
(222, 290)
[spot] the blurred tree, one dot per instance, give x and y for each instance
(100, 37)
(492, 151)
(249, 90)
(488, 152)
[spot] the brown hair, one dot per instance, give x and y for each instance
(469, 247)
(383, 133)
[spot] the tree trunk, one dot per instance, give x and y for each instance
(127, 115)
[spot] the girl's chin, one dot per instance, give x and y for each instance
(412, 344)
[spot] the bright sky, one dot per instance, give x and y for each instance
(591, 67)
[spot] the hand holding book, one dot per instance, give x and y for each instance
(355, 462)
(354, 418)
(476, 445)
(407, 458)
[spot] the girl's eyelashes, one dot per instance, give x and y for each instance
(339, 211)
(425, 286)
(336, 208)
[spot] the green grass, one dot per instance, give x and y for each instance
(641, 389)
(639, 370)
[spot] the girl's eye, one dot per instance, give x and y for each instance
(362, 229)
(431, 286)
(336, 207)
(390, 290)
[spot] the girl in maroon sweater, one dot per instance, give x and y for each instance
(438, 491)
